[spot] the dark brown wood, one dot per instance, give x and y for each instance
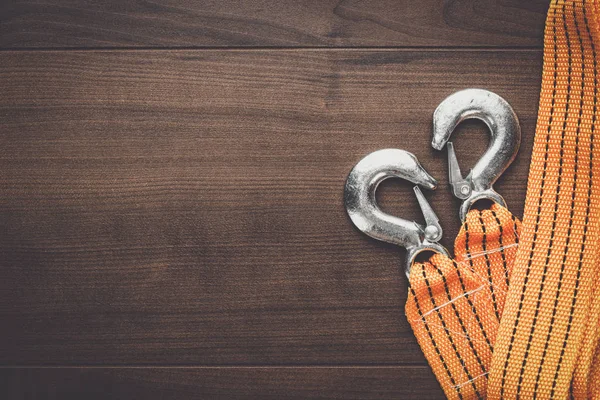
(220, 383)
(288, 23)
(172, 221)
(185, 207)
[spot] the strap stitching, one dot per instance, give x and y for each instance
(462, 325)
(515, 228)
(467, 382)
(464, 289)
(500, 241)
(489, 267)
(435, 346)
(451, 300)
(460, 359)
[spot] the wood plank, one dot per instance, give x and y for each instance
(186, 206)
(222, 383)
(289, 23)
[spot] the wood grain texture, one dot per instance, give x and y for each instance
(289, 23)
(185, 207)
(219, 383)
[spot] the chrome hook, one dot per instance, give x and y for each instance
(505, 133)
(364, 212)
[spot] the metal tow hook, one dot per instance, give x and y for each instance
(364, 212)
(505, 133)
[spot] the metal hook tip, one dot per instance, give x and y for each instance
(424, 179)
(430, 183)
(437, 143)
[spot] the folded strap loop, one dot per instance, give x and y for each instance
(454, 306)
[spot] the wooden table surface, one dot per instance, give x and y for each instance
(171, 188)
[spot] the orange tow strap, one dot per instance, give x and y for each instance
(454, 306)
(547, 344)
(545, 341)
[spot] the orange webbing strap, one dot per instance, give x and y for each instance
(587, 370)
(548, 334)
(454, 306)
